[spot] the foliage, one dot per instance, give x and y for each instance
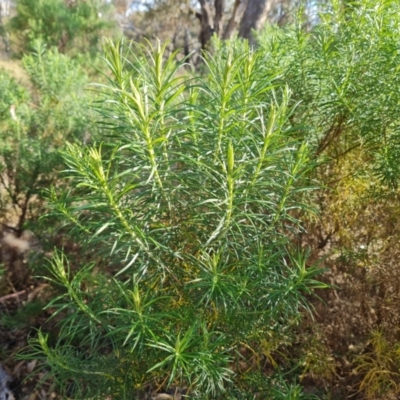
(74, 25)
(190, 205)
(2, 273)
(189, 213)
(344, 78)
(380, 366)
(344, 75)
(34, 125)
(23, 317)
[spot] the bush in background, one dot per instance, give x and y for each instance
(35, 124)
(71, 26)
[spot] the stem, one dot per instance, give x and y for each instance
(267, 140)
(300, 160)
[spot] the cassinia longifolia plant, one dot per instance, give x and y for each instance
(185, 212)
(344, 77)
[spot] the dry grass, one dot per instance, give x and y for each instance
(15, 69)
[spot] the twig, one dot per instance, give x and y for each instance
(12, 295)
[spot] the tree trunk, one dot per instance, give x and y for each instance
(206, 22)
(211, 21)
(186, 48)
(255, 16)
(237, 15)
(249, 14)
(219, 13)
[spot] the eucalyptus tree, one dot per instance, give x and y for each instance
(191, 24)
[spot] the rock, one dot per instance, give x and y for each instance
(5, 393)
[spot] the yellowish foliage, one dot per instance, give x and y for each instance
(380, 367)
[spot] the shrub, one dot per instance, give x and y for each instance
(70, 26)
(185, 213)
(343, 76)
(35, 124)
(187, 210)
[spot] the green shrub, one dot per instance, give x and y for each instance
(76, 26)
(35, 124)
(344, 77)
(185, 214)
(186, 211)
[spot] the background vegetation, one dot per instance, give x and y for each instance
(170, 225)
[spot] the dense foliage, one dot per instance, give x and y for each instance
(69, 25)
(35, 124)
(344, 76)
(196, 208)
(191, 203)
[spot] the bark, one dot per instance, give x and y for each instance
(206, 22)
(255, 16)
(219, 13)
(237, 15)
(211, 19)
(186, 48)
(249, 14)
